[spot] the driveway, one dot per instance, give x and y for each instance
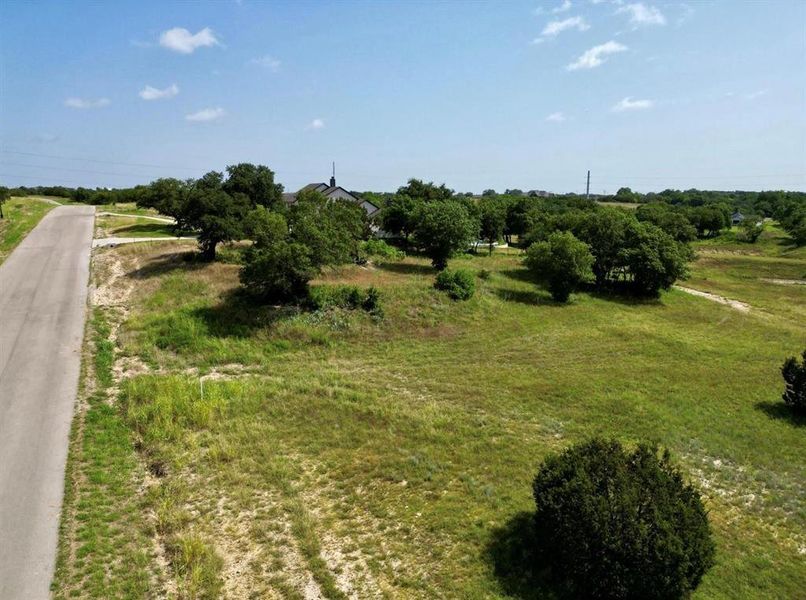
(43, 299)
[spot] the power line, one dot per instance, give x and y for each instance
(51, 168)
(94, 160)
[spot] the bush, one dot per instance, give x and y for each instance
(459, 284)
(277, 272)
(795, 377)
(345, 296)
(485, 274)
(617, 524)
(751, 229)
(379, 248)
(562, 261)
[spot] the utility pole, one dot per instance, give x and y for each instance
(588, 187)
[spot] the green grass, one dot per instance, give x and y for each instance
(394, 457)
(104, 545)
(21, 216)
(747, 272)
(132, 226)
(126, 208)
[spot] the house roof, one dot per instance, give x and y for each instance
(327, 190)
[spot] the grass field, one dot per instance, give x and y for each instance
(21, 216)
(230, 450)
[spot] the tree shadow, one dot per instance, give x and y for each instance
(518, 275)
(536, 297)
(512, 554)
(621, 295)
(238, 315)
(189, 260)
(782, 412)
(407, 268)
(147, 229)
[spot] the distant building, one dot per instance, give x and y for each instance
(736, 218)
(333, 192)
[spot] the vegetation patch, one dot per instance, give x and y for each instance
(21, 215)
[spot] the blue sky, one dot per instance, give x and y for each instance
(477, 95)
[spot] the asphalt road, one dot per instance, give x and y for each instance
(43, 299)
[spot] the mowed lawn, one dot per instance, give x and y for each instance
(231, 450)
(21, 215)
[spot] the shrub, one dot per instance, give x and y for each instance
(379, 248)
(562, 261)
(795, 377)
(618, 524)
(278, 272)
(372, 302)
(345, 296)
(485, 274)
(751, 229)
(459, 284)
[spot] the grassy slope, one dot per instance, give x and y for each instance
(334, 451)
(112, 226)
(21, 216)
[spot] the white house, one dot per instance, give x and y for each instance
(334, 191)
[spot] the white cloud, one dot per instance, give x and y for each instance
(555, 27)
(267, 62)
(152, 93)
(83, 103)
(595, 56)
(566, 5)
(206, 114)
(629, 104)
(556, 117)
(181, 40)
(641, 14)
(316, 124)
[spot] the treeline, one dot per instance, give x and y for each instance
(568, 241)
(84, 195)
(760, 203)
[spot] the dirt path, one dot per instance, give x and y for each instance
(785, 281)
(736, 304)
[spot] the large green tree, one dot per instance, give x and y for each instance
(672, 220)
(398, 215)
(288, 251)
(492, 215)
(444, 228)
(653, 259)
(562, 262)
(215, 214)
(425, 192)
(256, 182)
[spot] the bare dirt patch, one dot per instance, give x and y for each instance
(735, 304)
(785, 281)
